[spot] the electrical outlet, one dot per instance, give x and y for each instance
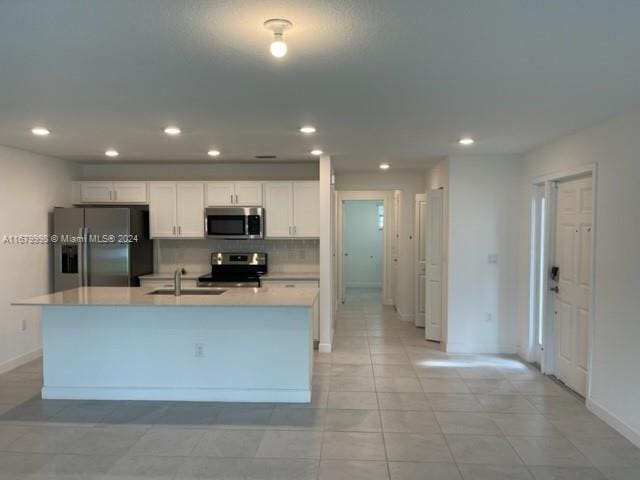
(23, 325)
(199, 350)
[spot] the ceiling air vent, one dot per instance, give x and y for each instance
(266, 157)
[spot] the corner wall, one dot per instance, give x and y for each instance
(30, 186)
(613, 146)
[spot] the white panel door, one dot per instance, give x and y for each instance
(420, 248)
(433, 266)
(278, 203)
(162, 210)
(571, 302)
(130, 192)
(96, 192)
(190, 210)
(248, 194)
(220, 194)
(306, 209)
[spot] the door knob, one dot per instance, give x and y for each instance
(555, 289)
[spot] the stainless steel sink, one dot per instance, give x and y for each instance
(190, 291)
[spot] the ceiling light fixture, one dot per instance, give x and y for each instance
(172, 130)
(213, 153)
(466, 141)
(112, 153)
(317, 152)
(40, 131)
(308, 129)
(384, 166)
(278, 47)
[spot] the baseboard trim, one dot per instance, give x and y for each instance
(613, 421)
(452, 347)
(324, 348)
(406, 317)
(177, 394)
(20, 360)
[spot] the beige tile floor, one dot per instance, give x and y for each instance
(386, 405)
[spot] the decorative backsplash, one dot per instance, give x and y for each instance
(194, 255)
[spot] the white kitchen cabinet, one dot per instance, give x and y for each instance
(306, 209)
(278, 204)
(292, 209)
(190, 211)
(112, 192)
(225, 194)
(176, 210)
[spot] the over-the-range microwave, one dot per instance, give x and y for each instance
(234, 222)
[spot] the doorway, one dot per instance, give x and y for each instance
(561, 294)
(363, 234)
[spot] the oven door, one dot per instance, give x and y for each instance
(234, 222)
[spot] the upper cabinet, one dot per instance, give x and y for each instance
(176, 210)
(292, 209)
(110, 192)
(227, 194)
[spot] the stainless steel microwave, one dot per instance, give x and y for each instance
(234, 222)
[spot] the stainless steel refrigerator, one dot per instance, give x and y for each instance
(101, 246)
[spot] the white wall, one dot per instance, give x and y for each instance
(484, 209)
(30, 186)
(363, 241)
(613, 146)
(410, 183)
(199, 171)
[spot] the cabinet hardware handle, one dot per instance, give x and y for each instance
(236, 198)
(231, 197)
(179, 229)
(174, 229)
(290, 286)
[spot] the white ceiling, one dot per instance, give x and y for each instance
(395, 80)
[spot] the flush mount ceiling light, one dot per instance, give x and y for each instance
(172, 130)
(384, 166)
(466, 141)
(40, 131)
(308, 129)
(213, 153)
(112, 153)
(316, 151)
(278, 47)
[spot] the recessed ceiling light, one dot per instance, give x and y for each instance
(308, 129)
(278, 47)
(172, 130)
(213, 153)
(316, 152)
(384, 166)
(466, 141)
(112, 153)
(40, 131)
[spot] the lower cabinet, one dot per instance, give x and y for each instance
(300, 284)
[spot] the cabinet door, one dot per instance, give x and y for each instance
(130, 192)
(190, 210)
(248, 194)
(96, 192)
(162, 210)
(306, 209)
(278, 198)
(220, 194)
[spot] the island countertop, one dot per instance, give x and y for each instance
(138, 296)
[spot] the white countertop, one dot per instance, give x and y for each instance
(137, 296)
(169, 275)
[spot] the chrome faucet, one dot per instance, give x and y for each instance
(177, 282)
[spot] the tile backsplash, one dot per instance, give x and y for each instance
(194, 255)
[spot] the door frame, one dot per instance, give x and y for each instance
(542, 253)
(386, 196)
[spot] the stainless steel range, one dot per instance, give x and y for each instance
(235, 270)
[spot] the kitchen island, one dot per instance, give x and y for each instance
(121, 343)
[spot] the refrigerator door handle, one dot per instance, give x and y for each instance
(85, 260)
(81, 256)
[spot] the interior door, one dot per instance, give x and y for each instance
(433, 266)
(278, 198)
(573, 236)
(306, 209)
(107, 258)
(420, 248)
(190, 210)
